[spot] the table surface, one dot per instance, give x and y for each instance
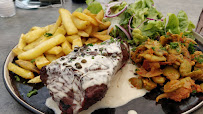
(11, 29)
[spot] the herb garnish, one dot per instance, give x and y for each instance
(31, 93)
(153, 48)
(103, 43)
(111, 40)
(17, 78)
(191, 48)
(92, 57)
(173, 45)
(32, 61)
(133, 49)
(48, 34)
(199, 59)
(90, 44)
(194, 91)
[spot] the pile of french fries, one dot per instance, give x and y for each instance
(41, 45)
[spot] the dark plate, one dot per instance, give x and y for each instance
(142, 105)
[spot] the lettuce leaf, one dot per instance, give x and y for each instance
(93, 6)
(79, 10)
(183, 21)
(173, 24)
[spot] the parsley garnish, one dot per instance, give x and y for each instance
(121, 41)
(191, 48)
(111, 40)
(33, 92)
(92, 57)
(199, 59)
(163, 48)
(32, 61)
(173, 45)
(17, 78)
(194, 91)
(48, 34)
(90, 44)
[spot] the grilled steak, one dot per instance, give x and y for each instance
(81, 78)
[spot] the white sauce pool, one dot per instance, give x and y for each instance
(120, 88)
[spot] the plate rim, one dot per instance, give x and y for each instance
(33, 109)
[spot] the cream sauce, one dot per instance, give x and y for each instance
(132, 112)
(119, 88)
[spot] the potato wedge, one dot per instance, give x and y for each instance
(41, 61)
(41, 48)
(33, 35)
(35, 80)
(17, 51)
(20, 71)
(71, 38)
(27, 65)
(85, 18)
(66, 46)
(77, 42)
(67, 21)
(80, 24)
(21, 43)
(50, 57)
(83, 34)
(55, 50)
(91, 40)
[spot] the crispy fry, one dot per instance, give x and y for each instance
(41, 61)
(56, 25)
(88, 30)
(43, 47)
(66, 46)
(35, 80)
(55, 50)
(77, 42)
(33, 44)
(21, 43)
(51, 57)
(91, 40)
(33, 35)
(60, 55)
(105, 25)
(83, 34)
(20, 71)
(71, 38)
(85, 17)
(17, 51)
(27, 65)
(100, 15)
(60, 30)
(67, 21)
(102, 37)
(80, 24)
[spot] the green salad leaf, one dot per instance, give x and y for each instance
(79, 10)
(93, 6)
(173, 24)
(183, 21)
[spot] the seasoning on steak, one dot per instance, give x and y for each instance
(80, 79)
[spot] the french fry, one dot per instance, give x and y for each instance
(27, 65)
(87, 12)
(55, 50)
(94, 29)
(34, 28)
(41, 48)
(55, 26)
(104, 32)
(21, 43)
(20, 71)
(17, 51)
(88, 30)
(100, 15)
(91, 40)
(66, 46)
(80, 24)
(48, 27)
(105, 25)
(60, 30)
(77, 42)
(33, 35)
(72, 37)
(35, 80)
(60, 55)
(85, 17)
(67, 21)
(102, 37)
(41, 61)
(33, 44)
(50, 57)
(83, 34)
